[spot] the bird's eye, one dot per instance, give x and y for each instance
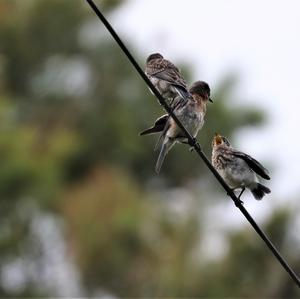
(225, 140)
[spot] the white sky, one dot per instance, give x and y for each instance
(259, 40)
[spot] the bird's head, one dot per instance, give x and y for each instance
(201, 88)
(220, 140)
(154, 56)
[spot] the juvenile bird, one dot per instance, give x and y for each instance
(191, 114)
(238, 169)
(166, 77)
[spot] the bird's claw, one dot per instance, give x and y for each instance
(193, 143)
(238, 203)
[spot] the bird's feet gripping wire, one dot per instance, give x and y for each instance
(192, 144)
(242, 191)
(239, 202)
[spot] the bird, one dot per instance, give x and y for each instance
(191, 113)
(166, 77)
(239, 170)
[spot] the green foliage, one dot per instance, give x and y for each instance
(71, 108)
(249, 269)
(32, 163)
(129, 241)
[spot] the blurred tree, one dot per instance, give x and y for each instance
(123, 244)
(103, 113)
(249, 269)
(71, 107)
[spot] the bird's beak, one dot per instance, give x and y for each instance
(210, 100)
(218, 139)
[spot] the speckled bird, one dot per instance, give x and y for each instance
(166, 77)
(191, 113)
(238, 169)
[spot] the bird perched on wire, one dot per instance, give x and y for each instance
(166, 77)
(191, 114)
(238, 169)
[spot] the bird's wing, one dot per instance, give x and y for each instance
(166, 70)
(158, 126)
(164, 131)
(179, 103)
(253, 164)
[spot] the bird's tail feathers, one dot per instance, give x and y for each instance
(259, 191)
(158, 142)
(183, 93)
(166, 146)
(149, 131)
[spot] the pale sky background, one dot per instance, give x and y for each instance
(258, 40)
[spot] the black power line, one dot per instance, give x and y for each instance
(193, 142)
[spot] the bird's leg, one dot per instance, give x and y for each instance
(188, 143)
(192, 144)
(238, 201)
(243, 189)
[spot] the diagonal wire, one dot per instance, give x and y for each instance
(193, 142)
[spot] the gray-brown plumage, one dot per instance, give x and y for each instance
(238, 169)
(191, 114)
(166, 77)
